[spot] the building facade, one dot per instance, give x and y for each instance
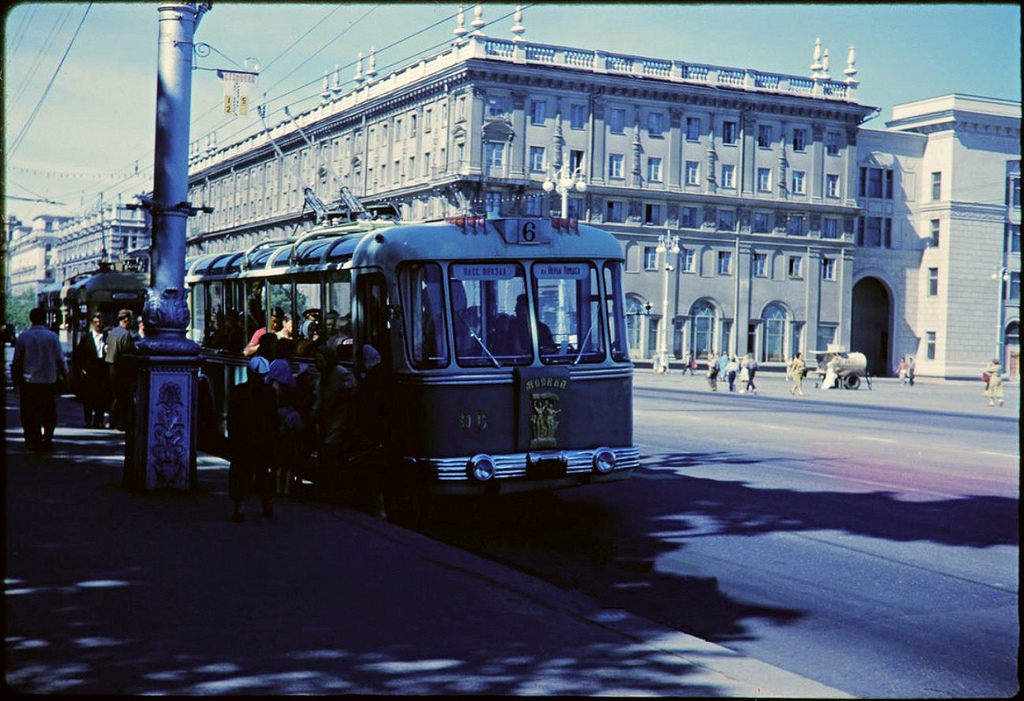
(31, 253)
(937, 271)
(754, 175)
(111, 232)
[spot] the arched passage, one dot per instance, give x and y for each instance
(871, 320)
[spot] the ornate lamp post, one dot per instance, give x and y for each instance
(668, 243)
(565, 182)
(1002, 275)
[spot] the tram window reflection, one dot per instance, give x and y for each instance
(484, 298)
(421, 289)
(568, 312)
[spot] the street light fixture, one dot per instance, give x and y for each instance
(667, 243)
(565, 182)
(1002, 275)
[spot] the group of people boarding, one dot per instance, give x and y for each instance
(280, 423)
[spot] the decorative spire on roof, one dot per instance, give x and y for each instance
(478, 20)
(336, 83)
(851, 69)
(358, 77)
(325, 91)
(460, 27)
(371, 71)
(518, 28)
(824, 66)
(816, 63)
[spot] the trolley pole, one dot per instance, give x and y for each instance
(160, 445)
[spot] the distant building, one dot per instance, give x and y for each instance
(111, 232)
(30, 253)
(937, 269)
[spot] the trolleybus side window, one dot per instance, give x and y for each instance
(483, 299)
(255, 316)
(569, 312)
(308, 330)
(421, 286)
(372, 318)
(615, 310)
(338, 314)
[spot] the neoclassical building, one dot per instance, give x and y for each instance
(937, 270)
(754, 175)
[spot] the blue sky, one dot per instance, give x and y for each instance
(98, 117)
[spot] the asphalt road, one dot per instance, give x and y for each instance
(867, 540)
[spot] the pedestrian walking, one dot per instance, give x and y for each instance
(732, 369)
(902, 372)
(911, 371)
(713, 371)
(750, 365)
(797, 371)
(691, 364)
(252, 423)
(38, 371)
(91, 374)
(993, 377)
(119, 345)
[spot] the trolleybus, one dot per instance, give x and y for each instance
(504, 363)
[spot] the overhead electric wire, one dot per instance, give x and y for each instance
(39, 105)
(44, 48)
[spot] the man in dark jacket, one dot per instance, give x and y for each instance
(252, 428)
(120, 344)
(91, 373)
(39, 372)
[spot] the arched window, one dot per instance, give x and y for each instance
(703, 316)
(774, 325)
(635, 315)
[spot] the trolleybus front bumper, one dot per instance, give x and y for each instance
(532, 471)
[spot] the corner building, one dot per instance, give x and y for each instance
(754, 173)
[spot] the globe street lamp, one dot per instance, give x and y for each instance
(565, 182)
(667, 243)
(1002, 275)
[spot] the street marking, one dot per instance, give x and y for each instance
(1000, 455)
(877, 440)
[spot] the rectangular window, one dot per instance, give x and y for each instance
(428, 120)
(929, 345)
(537, 158)
(655, 123)
(876, 182)
(831, 185)
(654, 169)
(874, 232)
(538, 109)
(693, 129)
(728, 176)
(725, 262)
(1013, 236)
(692, 172)
(936, 187)
(726, 220)
(495, 154)
(1013, 294)
(933, 282)
(460, 111)
(830, 228)
(617, 121)
(799, 139)
(760, 223)
(650, 258)
(575, 160)
(795, 225)
(798, 182)
(729, 132)
(764, 136)
(615, 211)
(577, 116)
(796, 266)
(652, 215)
(935, 226)
(615, 165)
(688, 217)
(828, 268)
(687, 261)
(426, 164)
(832, 143)
(764, 179)
(497, 106)
(412, 126)
(532, 206)
(759, 265)
(826, 335)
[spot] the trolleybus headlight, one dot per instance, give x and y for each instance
(604, 460)
(481, 467)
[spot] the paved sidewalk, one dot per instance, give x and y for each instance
(107, 591)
